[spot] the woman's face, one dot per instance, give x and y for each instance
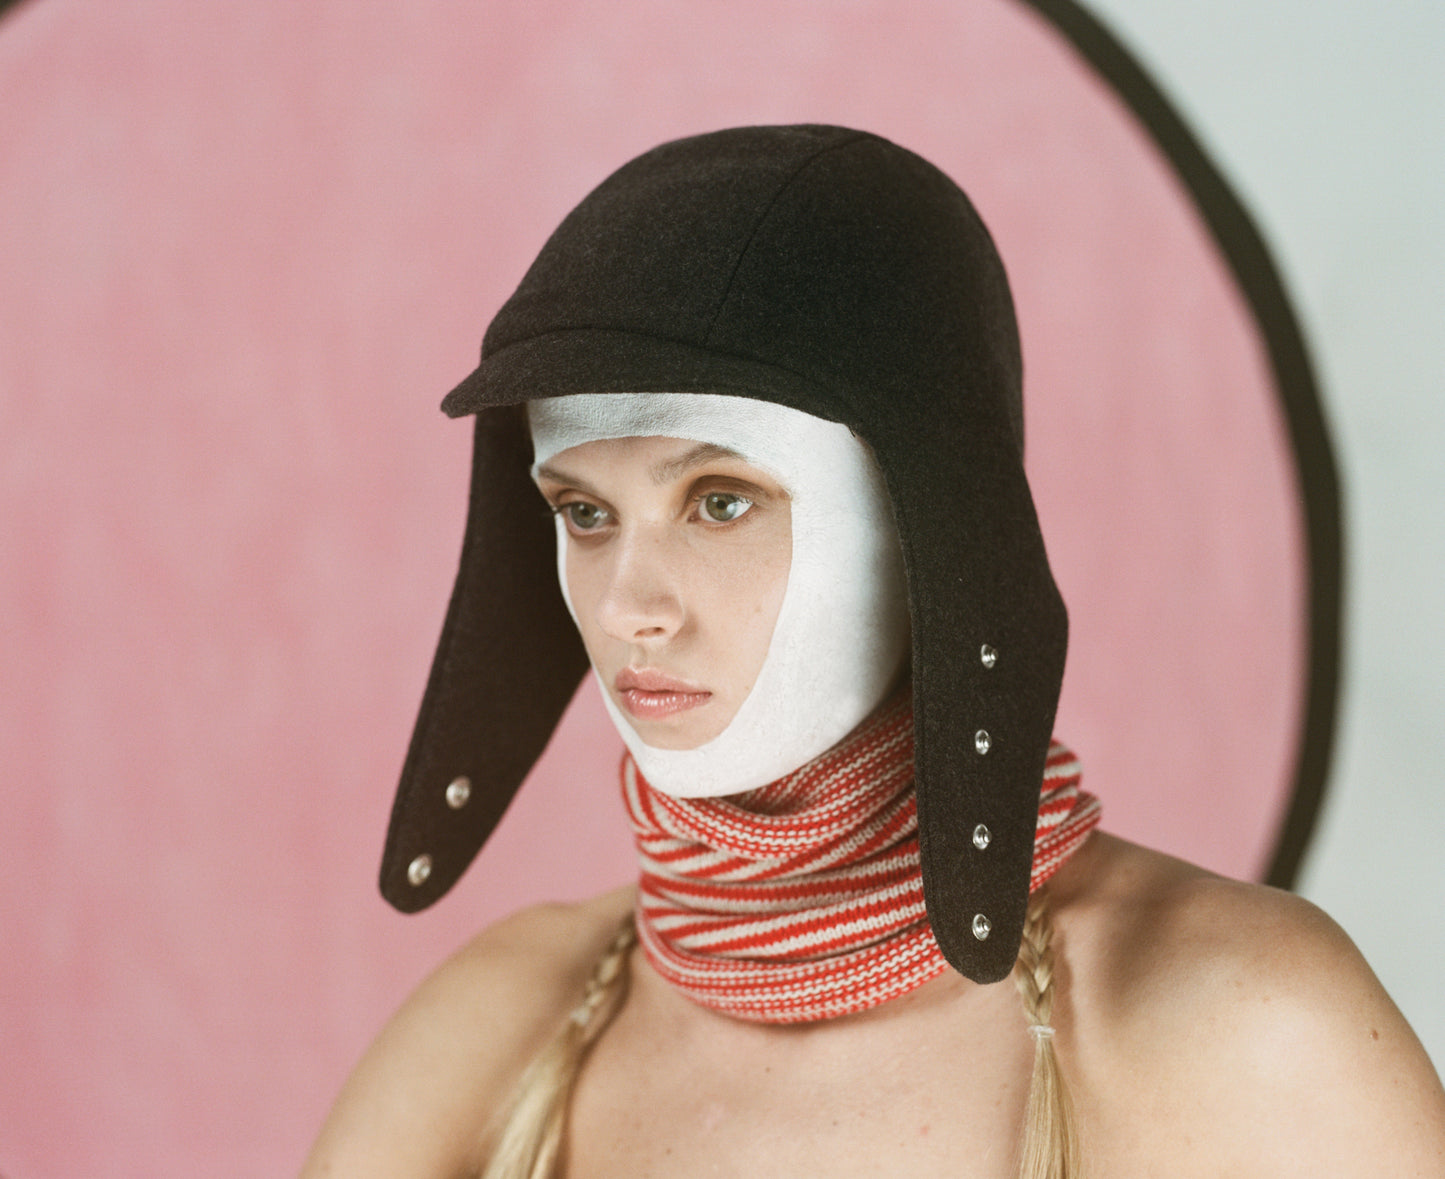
(677, 560)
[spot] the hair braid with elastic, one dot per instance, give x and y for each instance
(1050, 1146)
(529, 1143)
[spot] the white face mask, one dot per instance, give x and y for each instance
(842, 632)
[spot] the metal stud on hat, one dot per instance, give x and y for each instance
(459, 792)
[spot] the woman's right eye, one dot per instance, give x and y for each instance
(584, 517)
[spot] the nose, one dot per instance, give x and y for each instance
(640, 600)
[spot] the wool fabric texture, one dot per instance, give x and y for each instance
(803, 900)
(829, 271)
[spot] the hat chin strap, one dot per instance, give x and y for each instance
(842, 630)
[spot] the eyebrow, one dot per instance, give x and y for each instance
(661, 473)
(704, 452)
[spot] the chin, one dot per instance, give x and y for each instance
(677, 736)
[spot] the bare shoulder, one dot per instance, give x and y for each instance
(1243, 1017)
(421, 1098)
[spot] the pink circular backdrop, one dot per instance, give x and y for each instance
(247, 246)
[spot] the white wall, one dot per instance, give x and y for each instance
(1329, 117)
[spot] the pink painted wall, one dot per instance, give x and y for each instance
(244, 248)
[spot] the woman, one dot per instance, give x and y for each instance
(771, 383)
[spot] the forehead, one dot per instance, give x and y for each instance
(660, 460)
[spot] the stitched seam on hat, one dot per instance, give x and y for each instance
(802, 167)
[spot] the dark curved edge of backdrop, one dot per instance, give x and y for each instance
(1242, 246)
(1259, 282)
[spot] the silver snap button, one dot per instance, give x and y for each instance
(981, 837)
(982, 741)
(987, 655)
(458, 793)
(982, 927)
(420, 868)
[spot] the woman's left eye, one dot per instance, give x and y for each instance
(584, 517)
(722, 508)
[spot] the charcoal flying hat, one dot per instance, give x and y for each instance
(834, 272)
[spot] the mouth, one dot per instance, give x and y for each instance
(649, 694)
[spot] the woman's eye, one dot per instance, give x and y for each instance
(722, 508)
(584, 517)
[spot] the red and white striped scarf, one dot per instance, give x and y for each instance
(802, 900)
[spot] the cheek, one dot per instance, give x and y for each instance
(774, 566)
(745, 593)
(770, 580)
(582, 584)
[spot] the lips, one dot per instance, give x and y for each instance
(649, 694)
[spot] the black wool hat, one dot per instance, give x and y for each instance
(833, 272)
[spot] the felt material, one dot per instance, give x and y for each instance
(841, 633)
(834, 272)
(508, 662)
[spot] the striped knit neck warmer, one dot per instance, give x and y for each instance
(802, 900)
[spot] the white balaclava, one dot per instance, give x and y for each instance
(842, 630)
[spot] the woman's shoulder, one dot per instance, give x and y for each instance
(1243, 1017)
(421, 1099)
(1143, 917)
(547, 946)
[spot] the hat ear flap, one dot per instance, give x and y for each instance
(990, 634)
(507, 665)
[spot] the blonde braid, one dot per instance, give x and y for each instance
(1050, 1148)
(529, 1143)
